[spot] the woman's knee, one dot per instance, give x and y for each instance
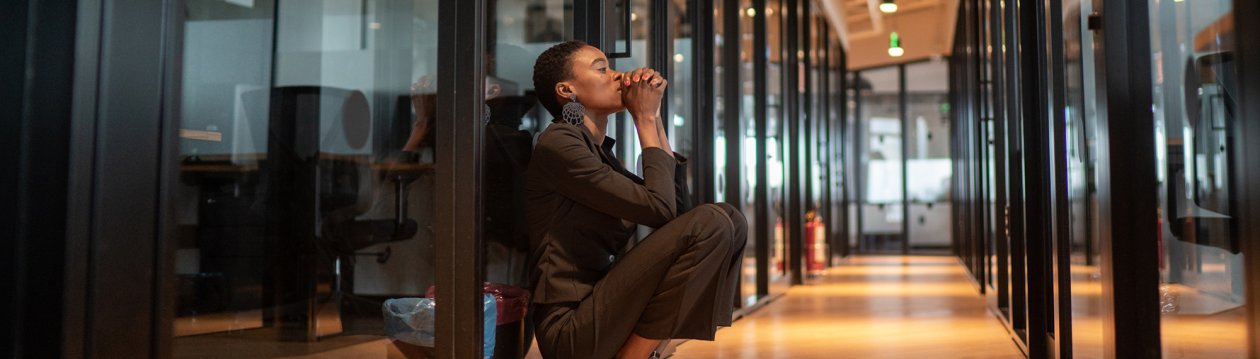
(738, 222)
(720, 222)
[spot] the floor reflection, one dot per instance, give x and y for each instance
(870, 307)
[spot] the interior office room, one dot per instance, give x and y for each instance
(347, 178)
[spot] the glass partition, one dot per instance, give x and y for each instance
(816, 246)
(306, 178)
(776, 146)
(519, 32)
(1081, 115)
(681, 81)
(928, 157)
(1195, 96)
(722, 65)
(881, 165)
(522, 31)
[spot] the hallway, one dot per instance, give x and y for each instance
(870, 307)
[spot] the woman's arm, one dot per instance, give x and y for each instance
(641, 94)
(576, 172)
(658, 137)
(660, 132)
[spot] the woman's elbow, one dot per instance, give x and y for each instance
(662, 213)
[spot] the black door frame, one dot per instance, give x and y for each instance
(1248, 66)
(1125, 74)
(761, 192)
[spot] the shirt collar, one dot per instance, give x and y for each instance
(608, 144)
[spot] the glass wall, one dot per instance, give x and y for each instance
(519, 32)
(682, 107)
(853, 155)
(1128, 234)
(720, 71)
(816, 245)
(748, 128)
(306, 190)
(723, 156)
(776, 142)
(1195, 96)
(641, 23)
(1081, 115)
(884, 196)
(339, 98)
(928, 157)
(837, 149)
(324, 157)
(880, 139)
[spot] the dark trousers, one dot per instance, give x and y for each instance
(678, 283)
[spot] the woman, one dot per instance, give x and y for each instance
(592, 298)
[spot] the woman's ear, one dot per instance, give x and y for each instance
(564, 89)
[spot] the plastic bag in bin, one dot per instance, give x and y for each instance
(410, 320)
(513, 302)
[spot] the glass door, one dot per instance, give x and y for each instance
(928, 159)
(881, 165)
(1195, 83)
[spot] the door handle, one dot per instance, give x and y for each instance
(626, 29)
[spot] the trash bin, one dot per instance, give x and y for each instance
(511, 331)
(410, 320)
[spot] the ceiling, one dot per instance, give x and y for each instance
(926, 28)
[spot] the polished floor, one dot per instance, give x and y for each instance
(870, 307)
(882, 307)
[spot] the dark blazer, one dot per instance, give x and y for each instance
(577, 196)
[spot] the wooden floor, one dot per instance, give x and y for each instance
(883, 307)
(870, 307)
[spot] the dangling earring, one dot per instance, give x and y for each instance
(573, 111)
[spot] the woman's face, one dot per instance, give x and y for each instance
(598, 86)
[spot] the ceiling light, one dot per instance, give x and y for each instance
(894, 45)
(751, 11)
(888, 6)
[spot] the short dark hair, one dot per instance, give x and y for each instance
(551, 68)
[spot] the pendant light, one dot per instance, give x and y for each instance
(894, 45)
(888, 6)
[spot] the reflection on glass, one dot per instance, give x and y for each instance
(816, 249)
(776, 146)
(837, 152)
(852, 163)
(719, 111)
(305, 195)
(681, 105)
(747, 122)
(928, 159)
(881, 166)
(1201, 290)
(748, 282)
(522, 31)
(1087, 324)
(623, 128)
